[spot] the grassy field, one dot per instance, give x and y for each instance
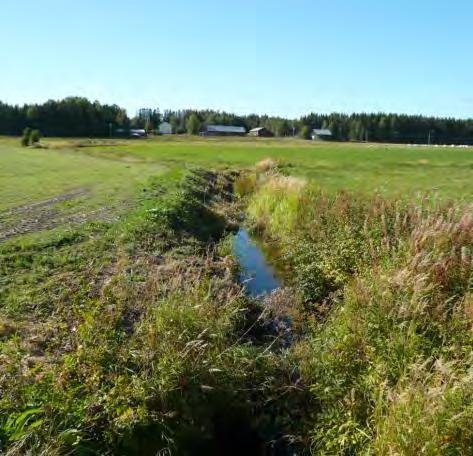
(388, 169)
(31, 175)
(72, 181)
(46, 188)
(124, 330)
(110, 170)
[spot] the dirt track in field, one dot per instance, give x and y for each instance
(43, 204)
(43, 215)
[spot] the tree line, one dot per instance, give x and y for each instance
(77, 116)
(74, 116)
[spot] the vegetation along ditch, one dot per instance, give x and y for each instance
(242, 312)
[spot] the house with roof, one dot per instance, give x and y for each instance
(322, 134)
(223, 130)
(261, 132)
(165, 128)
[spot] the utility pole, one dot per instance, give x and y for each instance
(110, 129)
(429, 138)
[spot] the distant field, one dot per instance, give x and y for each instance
(389, 169)
(75, 180)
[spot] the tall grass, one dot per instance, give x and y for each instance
(133, 337)
(146, 350)
(276, 203)
(388, 346)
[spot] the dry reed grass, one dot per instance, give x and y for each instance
(266, 165)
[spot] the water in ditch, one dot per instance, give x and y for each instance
(257, 275)
(261, 279)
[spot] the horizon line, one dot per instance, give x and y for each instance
(240, 113)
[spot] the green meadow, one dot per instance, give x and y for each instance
(388, 169)
(109, 170)
(124, 328)
(31, 175)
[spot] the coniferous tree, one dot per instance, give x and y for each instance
(76, 116)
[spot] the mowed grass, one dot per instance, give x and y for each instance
(392, 170)
(28, 176)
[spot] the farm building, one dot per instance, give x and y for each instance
(322, 134)
(261, 132)
(165, 128)
(223, 130)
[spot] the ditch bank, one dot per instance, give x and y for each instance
(385, 288)
(157, 353)
(199, 227)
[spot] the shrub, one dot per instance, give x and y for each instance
(26, 138)
(35, 136)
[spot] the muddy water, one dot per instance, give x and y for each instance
(256, 273)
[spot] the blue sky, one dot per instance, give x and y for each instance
(286, 57)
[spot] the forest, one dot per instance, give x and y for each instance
(79, 117)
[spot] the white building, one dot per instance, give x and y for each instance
(165, 128)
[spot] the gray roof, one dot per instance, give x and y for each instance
(258, 129)
(225, 129)
(322, 132)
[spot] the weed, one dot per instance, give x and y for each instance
(387, 286)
